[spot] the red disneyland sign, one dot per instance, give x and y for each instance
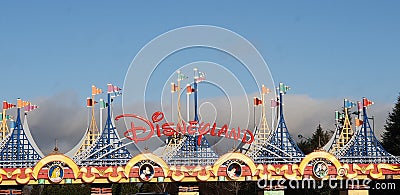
(170, 129)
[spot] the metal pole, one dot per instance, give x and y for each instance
(187, 106)
(254, 116)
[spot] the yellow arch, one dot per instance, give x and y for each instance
(55, 157)
(231, 156)
(319, 154)
(146, 156)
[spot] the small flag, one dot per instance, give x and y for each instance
(90, 102)
(367, 102)
(341, 116)
(7, 117)
(202, 77)
(30, 107)
(283, 88)
(336, 115)
(181, 76)
(274, 103)
(189, 89)
(111, 88)
(265, 90)
(7, 105)
(359, 105)
(349, 104)
(21, 104)
(103, 104)
(257, 101)
(358, 122)
(174, 87)
(96, 90)
(115, 94)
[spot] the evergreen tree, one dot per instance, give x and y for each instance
(316, 141)
(319, 138)
(391, 134)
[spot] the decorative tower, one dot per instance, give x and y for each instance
(190, 151)
(108, 149)
(92, 132)
(281, 148)
(262, 133)
(363, 147)
(19, 149)
(174, 142)
(343, 133)
(4, 117)
(264, 130)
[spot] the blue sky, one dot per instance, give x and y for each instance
(322, 49)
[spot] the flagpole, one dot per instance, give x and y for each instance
(187, 105)
(254, 116)
(172, 106)
(272, 116)
(101, 119)
(196, 117)
(172, 100)
(101, 115)
(4, 127)
(179, 97)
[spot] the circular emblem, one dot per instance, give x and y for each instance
(56, 173)
(234, 170)
(342, 172)
(320, 169)
(146, 172)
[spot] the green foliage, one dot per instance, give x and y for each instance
(125, 188)
(391, 134)
(82, 189)
(57, 189)
(316, 141)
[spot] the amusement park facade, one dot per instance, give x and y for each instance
(265, 154)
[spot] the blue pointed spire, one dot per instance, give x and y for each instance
(280, 148)
(364, 147)
(198, 154)
(109, 149)
(19, 148)
(192, 154)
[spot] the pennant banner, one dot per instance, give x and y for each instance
(7, 105)
(367, 102)
(257, 101)
(112, 88)
(90, 102)
(202, 77)
(358, 122)
(265, 90)
(21, 103)
(274, 103)
(336, 115)
(174, 87)
(349, 104)
(7, 117)
(30, 107)
(189, 89)
(103, 104)
(181, 76)
(96, 90)
(115, 94)
(283, 88)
